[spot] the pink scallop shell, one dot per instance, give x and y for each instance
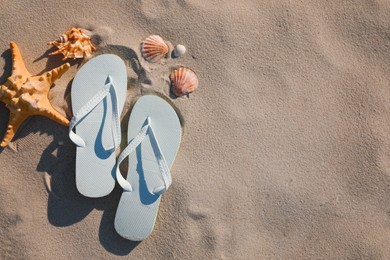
(184, 81)
(154, 48)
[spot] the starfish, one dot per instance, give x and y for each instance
(26, 95)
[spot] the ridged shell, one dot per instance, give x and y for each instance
(154, 48)
(62, 39)
(75, 43)
(183, 81)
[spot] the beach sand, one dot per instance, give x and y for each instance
(286, 145)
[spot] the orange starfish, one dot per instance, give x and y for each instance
(26, 95)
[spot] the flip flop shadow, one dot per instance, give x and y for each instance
(66, 206)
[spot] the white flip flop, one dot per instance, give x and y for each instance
(98, 95)
(154, 136)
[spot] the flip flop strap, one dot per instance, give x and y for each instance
(89, 106)
(163, 166)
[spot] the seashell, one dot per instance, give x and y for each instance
(179, 51)
(154, 48)
(62, 39)
(75, 43)
(183, 81)
(27, 95)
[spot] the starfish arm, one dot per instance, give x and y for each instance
(13, 125)
(18, 67)
(56, 73)
(52, 114)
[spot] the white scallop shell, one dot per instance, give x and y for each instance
(183, 81)
(154, 48)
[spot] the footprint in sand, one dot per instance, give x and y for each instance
(153, 9)
(202, 229)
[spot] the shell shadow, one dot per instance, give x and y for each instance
(173, 96)
(54, 61)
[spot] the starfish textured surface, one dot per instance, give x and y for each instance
(26, 95)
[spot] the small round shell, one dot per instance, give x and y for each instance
(183, 81)
(154, 48)
(179, 50)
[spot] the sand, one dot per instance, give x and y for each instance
(285, 152)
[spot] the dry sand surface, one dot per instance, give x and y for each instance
(286, 145)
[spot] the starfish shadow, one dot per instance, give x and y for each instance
(7, 56)
(4, 117)
(4, 113)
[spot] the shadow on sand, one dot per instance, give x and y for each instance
(66, 206)
(71, 207)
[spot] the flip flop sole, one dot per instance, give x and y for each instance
(137, 210)
(95, 165)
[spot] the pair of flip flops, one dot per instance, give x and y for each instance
(154, 133)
